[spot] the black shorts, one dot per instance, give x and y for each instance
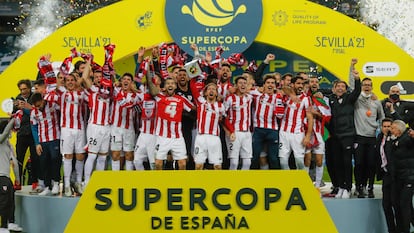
(6, 199)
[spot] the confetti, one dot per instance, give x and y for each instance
(40, 18)
(392, 19)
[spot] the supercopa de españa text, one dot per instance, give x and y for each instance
(245, 199)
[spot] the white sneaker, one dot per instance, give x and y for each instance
(340, 192)
(37, 190)
(14, 227)
(78, 188)
(55, 188)
(45, 192)
(68, 192)
(4, 230)
(346, 194)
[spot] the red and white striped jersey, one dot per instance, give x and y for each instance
(99, 107)
(47, 121)
(169, 114)
(238, 111)
(196, 87)
(148, 114)
(122, 114)
(208, 116)
(295, 113)
(317, 126)
(264, 111)
(224, 89)
(71, 108)
(18, 116)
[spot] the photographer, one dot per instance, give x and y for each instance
(24, 138)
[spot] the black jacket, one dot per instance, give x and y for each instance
(25, 128)
(404, 110)
(342, 109)
(403, 154)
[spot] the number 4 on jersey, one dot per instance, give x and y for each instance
(171, 110)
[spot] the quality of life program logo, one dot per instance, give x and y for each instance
(232, 24)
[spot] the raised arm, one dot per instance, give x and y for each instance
(5, 134)
(85, 74)
(351, 79)
(353, 96)
(260, 70)
(153, 90)
(141, 52)
(155, 53)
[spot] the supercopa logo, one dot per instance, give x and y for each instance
(211, 13)
(233, 24)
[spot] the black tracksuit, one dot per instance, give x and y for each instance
(340, 144)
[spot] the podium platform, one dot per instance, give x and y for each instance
(50, 214)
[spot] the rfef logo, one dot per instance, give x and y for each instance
(232, 24)
(211, 13)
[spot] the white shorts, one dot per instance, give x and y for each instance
(320, 148)
(176, 145)
(72, 141)
(145, 147)
(241, 147)
(97, 137)
(289, 142)
(208, 146)
(122, 139)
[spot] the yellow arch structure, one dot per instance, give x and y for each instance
(310, 30)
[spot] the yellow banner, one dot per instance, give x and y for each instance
(208, 201)
(318, 33)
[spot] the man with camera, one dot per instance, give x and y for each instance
(24, 138)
